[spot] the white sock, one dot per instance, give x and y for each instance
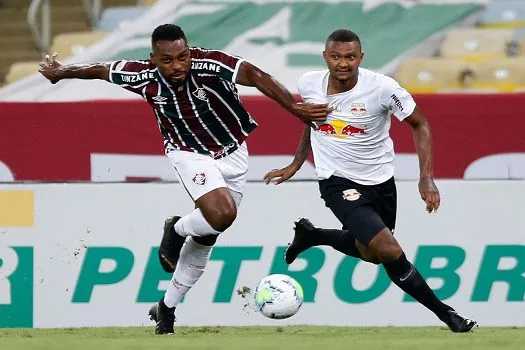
(194, 224)
(190, 267)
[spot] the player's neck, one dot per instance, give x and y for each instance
(336, 86)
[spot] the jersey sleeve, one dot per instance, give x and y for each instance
(396, 99)
(131, 75)
(215, 63)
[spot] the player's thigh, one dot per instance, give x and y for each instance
(386, 199)
(234, 169)
(353, 206)
(198, 173)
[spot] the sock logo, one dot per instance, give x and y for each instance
(16, 286)
(402, 279)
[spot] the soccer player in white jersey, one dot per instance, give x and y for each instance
(354, 162)
(204, 126)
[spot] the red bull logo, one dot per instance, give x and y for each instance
(358, 109)
(341, 129)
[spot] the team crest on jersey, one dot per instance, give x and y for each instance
(199, 179)
(358, 109)
(351, 194)
(200, 94)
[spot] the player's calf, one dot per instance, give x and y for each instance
(407, 277)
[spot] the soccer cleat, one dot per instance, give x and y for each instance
(170, 245)
(163, 316)
(458, 323)
(301, 240)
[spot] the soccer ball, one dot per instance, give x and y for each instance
(278, 296)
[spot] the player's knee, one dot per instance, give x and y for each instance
(223, 217)
(385, 247)
(372, 259)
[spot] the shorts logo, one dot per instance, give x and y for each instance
(351, 195)
(199, 179)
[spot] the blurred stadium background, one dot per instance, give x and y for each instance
(85, 187)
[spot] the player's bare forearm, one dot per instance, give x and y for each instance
(423, 142)
(83, 71)
(303, 149)
(249, 75)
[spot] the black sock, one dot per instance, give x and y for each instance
(340, 240)
(406, 277)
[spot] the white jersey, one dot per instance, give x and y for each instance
(354, 141)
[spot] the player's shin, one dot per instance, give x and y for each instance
(407, 277)
(190, 267)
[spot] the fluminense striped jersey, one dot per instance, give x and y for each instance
(204, 115)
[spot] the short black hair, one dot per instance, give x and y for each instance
(343, 35)
(169, 32)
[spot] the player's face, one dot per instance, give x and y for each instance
(172, 58)
(343, 59)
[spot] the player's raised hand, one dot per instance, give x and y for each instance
(282, 174)
(429, 193)
(48, 68)
(309, 112)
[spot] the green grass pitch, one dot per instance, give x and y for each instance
(247, 338)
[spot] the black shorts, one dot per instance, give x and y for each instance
(364, 210)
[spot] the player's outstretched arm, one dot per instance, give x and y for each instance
(303, 150)
(250, 75)
(54, 71)
(423, 142)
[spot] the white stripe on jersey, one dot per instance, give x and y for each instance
(159, 91)
(184, 121)
(215, 114)
(227, 106)
(197, 113)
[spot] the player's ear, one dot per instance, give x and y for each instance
(152, 57)
(324, 55)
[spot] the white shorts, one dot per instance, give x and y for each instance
(201, 174)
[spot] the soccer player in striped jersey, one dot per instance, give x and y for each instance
(204, 125)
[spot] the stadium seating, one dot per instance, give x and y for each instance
(475, 44)
(504, 14)
(68, 44)
(505, 75)
(427, 75)
(20, 70)
(117, 17)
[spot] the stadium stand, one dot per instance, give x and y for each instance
(117, 17)
(427, 75)
(18, 47)
(504, 14)
(474, 45)
(492, 55)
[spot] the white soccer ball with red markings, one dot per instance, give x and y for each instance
(278, 296)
